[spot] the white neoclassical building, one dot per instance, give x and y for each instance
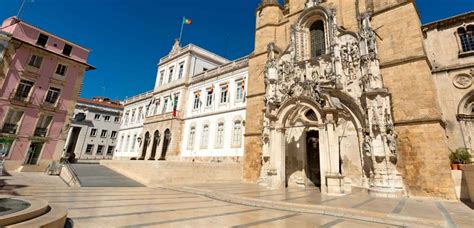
(215, 114)
(132, 125)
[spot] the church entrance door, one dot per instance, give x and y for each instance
(313, 159)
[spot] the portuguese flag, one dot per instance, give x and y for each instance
(187, 21)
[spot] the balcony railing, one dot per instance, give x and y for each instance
(9, 128)
(41, 132)
(17, 96)
(49, 105)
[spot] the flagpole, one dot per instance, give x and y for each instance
(181, 33)
(21, 8)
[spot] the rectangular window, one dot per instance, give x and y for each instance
(110, 150)
(220, 135)
(5, 146)
(43, 125)
(162, 77)
(67, 49)
(170, 76)
(133, 116)
(97, 117)
(125, 122)
(237, 134)
(93, 132)
(100, 149)
(61, 69)
(165, 106)
(107, 118)
(53, 95)
(181, 70)
(23, 90)
(192, 135)
(42, 40)
(12, 121)
(224, 93)
(89, 148)
(140, 113)
(117, 119)
(239, 92)
(197, 101)
(205, 136)
(113, 135)
(103, 134)
(209, 97)
(35, 61)
(134, 142)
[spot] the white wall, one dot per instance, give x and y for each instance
(129, 128)
(226, 113)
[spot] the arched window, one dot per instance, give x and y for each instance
(466, 36)
(192, 135)
(237, 134)
(318, 43)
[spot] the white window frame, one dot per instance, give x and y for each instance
(93, 132)
(197, 101)
(35, 61)
(104, 133)
(224, 99)
(53, 92)
(205, 137)
(192, 138)
(237, 134)
(61, 69)
(91, 149)
(180, 70)
(220, 135)
(209, 97)
(239, 92)
(97, 117)
(113, 135)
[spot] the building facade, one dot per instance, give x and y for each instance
(131, 127)
(214, 120)
(94, 129)
(163, 127)
(343, 96)
(449, 45)
(41, 79)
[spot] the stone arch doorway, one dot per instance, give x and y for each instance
(156, 143)
(313, 146)
(146, 141)
(166, 143)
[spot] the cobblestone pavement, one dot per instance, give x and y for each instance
(159, 207)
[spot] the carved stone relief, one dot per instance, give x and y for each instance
(463, 81)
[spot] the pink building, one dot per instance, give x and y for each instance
(40, 81)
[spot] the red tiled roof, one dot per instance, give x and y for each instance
(100, 103)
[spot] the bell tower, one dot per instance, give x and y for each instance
(268, 16)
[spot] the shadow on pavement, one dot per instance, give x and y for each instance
(8, 189)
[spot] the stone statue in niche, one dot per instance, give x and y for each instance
(369, 169)
(368, 34)
(392, 142)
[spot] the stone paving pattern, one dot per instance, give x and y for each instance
(160, 207)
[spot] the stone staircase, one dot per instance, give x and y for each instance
(38, 213)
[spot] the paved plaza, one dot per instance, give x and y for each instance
(228, 205)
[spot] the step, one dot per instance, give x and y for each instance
(54, 218)
(37, 208)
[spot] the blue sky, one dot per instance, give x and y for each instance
(128, 37)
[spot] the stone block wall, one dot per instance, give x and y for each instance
(155, 173)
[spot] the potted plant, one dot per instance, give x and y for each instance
(460, 156)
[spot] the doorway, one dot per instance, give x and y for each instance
(313, 159)
(146, 141)
(33, 154)
(156, 142)
(166, 142)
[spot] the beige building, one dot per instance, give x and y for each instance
(449, 45)
(342, 94)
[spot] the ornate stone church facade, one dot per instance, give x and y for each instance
(341, 96)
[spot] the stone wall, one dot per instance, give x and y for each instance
(155, 173)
